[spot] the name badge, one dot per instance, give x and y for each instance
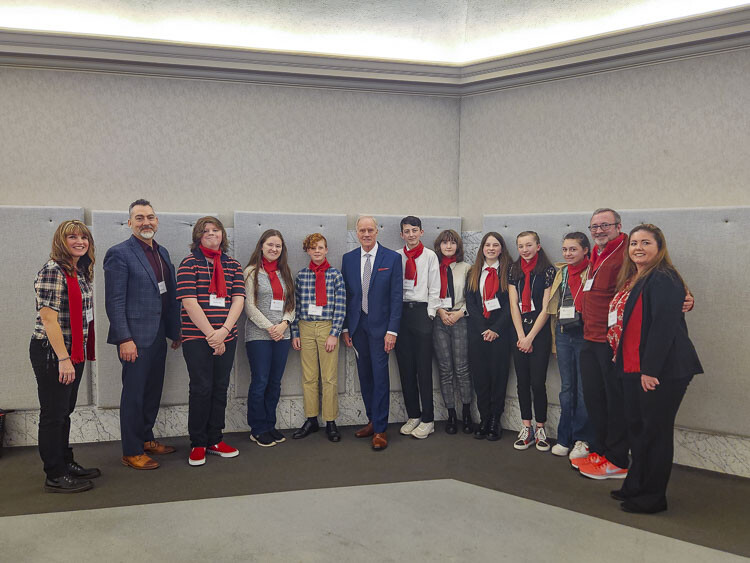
(612, 318)
(520, 306)
(446, 303)
(408, 284)
(567, 312)
(314, 310)
(492, 304)
(89, 315)
(588, 284)
(277, 304)
(214, 301)
(162, 287)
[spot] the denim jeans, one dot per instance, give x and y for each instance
(574, 421)
(267, 362)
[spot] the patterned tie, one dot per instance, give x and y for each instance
(366, 282)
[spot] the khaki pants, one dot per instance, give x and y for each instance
(317, 363)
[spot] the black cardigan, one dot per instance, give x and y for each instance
(665, 350)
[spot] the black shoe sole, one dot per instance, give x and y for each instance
(451, 430)
(493, 438)
(49, 489)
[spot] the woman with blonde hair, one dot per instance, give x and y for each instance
(63, 339)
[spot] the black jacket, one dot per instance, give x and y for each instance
(499, 321)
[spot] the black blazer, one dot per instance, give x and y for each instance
(666, 350)
(499, 321)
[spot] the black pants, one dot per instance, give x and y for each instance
(414, 356)
(651, 417)
(57, 402)
(209, 379)
(603, 395)
(531, 373)
(489, 364)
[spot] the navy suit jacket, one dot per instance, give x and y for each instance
(132, 298)
(385, 296)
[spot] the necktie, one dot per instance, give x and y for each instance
(366, 282)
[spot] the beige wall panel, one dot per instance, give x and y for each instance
(666, 135)
(101, 140)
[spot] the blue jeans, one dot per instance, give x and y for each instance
(574, 421)
(267, 362)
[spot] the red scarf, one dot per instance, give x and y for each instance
(491, 285)
(445, 263)
(597, 258)
(574, 281)
(218, 285)
(526, 268)
(321, 297)
(273, 277)
(410, 272)
(75, 307)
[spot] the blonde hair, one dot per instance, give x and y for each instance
(60, 252)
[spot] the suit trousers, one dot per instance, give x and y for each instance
(531, 374)
(317, 364)
(207, 400)
(451, 344)
(489, 364)
(57, 402)
(372, 368)
(651, 417)
(603, 395)
(142, 383)
(414, 356)
(267, 362)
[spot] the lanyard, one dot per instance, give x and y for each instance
(599, 267)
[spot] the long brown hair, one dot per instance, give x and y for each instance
(256, 262)
(449, 235)
(200, 226)
(662, 262)
(475, 273)
(542, 262)
(60, 252)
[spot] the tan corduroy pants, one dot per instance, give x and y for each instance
(319, 364)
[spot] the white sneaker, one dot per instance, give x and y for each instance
(525, 438)
(540, 437)
(423, 430)
(410, 425)
(559, 449)
(580, 450)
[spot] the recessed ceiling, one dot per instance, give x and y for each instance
(443, 31)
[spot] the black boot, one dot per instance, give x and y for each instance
(494, 432)
(451, 427)
(310, 426)
(332, 432)
(466, 416)
(482, 428)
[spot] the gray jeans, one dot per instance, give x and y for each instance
(452, 354)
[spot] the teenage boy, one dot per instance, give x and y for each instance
(414, 346)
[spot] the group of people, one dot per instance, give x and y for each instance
(613, 315)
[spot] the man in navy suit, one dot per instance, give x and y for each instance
(140, 297)
(374, 295)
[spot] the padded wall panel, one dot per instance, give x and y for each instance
(111, 228)
(389, 235)
(248, 227)
(22, 260)
(707, 246)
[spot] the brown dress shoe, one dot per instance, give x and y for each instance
(365, 431)
(379, 441)
(155, 448)
(141, 461)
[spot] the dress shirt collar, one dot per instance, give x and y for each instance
(496, 265)
(372, 252)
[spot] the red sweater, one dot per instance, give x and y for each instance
(596, 301)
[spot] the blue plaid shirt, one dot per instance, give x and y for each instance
(335, 309)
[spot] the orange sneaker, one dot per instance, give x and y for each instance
(604, 470)
(590, 459)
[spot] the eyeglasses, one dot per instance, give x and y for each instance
(602, 227)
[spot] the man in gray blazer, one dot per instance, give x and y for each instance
(140, 298)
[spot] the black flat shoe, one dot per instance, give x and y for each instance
(332, 432)
(629, 506)
(79, 472)
(617, 495)
(451, 426)
(67, 484)
(306, 429)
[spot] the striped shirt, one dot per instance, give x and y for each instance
(193, 280)
(51, 289)
(335, 309)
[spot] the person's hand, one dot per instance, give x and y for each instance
(445, 316)
(215, 337)
(220, 349)
(176, 343)
(689, 303)
(67, 371)
(331, 342)
(490, 335)
(347, 339)
(277, 331)
(128, 351)
(648, 383)
(525, 345)
(390, 342)
(456, 316)
(297, 343)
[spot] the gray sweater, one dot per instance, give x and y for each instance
(259, 315)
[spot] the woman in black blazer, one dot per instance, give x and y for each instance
(490, 332)
(655, 358)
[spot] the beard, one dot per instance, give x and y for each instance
(148, 234)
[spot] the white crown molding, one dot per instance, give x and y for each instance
(717, 32)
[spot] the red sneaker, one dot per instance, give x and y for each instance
(197, 456)
(604, 470)
(223, 450)
(591, 459)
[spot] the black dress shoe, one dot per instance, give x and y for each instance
(494, 432)
(76, 470)
(467, 422)
(306, 429)
(629, 506)
(481, 432)
(617, 495)
(67, 484)
(451, 427)
(332, 432)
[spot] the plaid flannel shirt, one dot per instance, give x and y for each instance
(335, 309)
